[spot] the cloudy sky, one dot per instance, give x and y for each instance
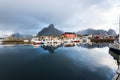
(30, 16)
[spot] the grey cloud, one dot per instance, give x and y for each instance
(32, 15)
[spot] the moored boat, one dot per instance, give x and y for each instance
(36, 42)
(115, 48)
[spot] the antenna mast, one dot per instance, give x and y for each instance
(119, 27)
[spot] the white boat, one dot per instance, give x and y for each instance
(68, 40)
(36, 41)
(115, 48)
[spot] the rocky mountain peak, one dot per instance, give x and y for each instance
(51, 26)
(50, 31)
(111, 32)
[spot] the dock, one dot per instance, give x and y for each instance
(117, 75)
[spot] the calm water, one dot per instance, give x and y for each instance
(83, 62)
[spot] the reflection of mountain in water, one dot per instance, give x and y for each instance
(50, 48)
(90, 46)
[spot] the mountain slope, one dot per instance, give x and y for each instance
(111, 32)
(97, 32)
(50, 31)
(18, 35)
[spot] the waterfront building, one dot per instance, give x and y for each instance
(69, 35)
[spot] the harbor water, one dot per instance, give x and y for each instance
(81, 62)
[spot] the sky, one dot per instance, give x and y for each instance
(30, 16)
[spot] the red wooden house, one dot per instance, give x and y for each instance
(69, 35)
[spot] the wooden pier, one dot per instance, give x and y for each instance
(102, 40)
(16, 41)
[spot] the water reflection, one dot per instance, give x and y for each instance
(67, 63)
(52, 47)
(94, 45)
(116, 57)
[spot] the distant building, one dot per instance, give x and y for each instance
(69, 35)
(103, 37)
(98, 37)
(109, 37)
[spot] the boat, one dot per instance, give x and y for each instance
(36, 41)
(76, 40)
(115, 48)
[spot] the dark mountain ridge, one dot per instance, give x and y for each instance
(50, 31)
(97, 32)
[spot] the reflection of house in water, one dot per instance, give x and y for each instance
(69, 44)
(117, 58)
(90, 46)
(50, 48)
